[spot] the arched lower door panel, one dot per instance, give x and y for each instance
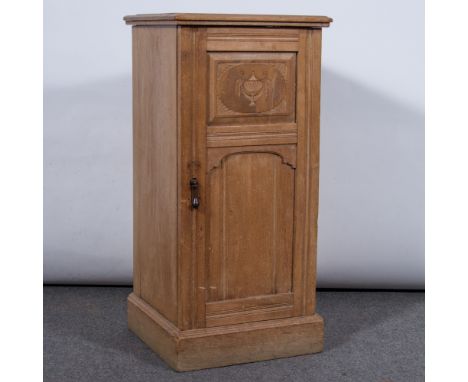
(250, 236)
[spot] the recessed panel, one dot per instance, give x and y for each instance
(252, 87)
(250, 241)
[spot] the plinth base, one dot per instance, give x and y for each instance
(218, 346)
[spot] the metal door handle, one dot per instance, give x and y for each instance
(195, 196)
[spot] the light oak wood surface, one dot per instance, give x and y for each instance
(155, 168)
(228, 345)
(226, 161)
(228, 19)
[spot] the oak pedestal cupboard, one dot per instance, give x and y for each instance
(226, 169)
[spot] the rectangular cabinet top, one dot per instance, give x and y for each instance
(228, 19)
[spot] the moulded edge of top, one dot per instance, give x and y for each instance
(228, 19)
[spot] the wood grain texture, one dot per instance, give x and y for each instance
(251, 223)
(228, 19)
(251, 138)
(199, 129)
(257, 314)
(242, 304)
(187, 168)
(252, 34)
(224, 345)
(286, 152)
(252, 39)
(156, 331)
(248, 88)
(251, 135)
(237, 108)
(155, 167)
(301, 211)
(249, 309)
(313, 77)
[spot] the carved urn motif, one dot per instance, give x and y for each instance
(251, 88)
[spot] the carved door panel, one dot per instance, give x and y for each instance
(253, 182)
(250, 237)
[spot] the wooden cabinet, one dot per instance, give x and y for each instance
(226, 161)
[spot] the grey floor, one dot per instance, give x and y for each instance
(370, 336)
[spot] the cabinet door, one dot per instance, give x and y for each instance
(251, 160)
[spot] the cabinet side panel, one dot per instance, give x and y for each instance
(155, 167)
(313, 77)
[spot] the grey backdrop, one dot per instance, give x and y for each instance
(371, 216)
